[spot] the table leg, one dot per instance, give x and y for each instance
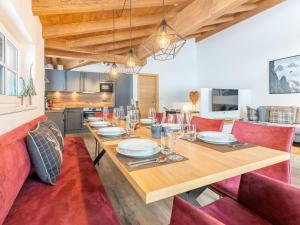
(99, 156)
(192, 195)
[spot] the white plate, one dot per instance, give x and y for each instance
(111, 131)
(137, 145)
(216, 137)
(172, 126)
(146, 121)
(138, 154)
(100, 124)
(93, 119)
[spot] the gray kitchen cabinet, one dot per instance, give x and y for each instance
(56, 80)
(124, 90)
(73, 81)
(91, 82)
(73, 120)
(59, 119)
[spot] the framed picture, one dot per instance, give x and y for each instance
(285, 75)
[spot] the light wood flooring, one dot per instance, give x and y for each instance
(130, 208)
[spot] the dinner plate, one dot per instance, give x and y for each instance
(100, 124)
(93, 119)
(146, 121)
(138, 144)
(216, 137)
(138, 154)
(111, 131)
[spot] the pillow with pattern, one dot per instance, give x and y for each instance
(55, 130)
(45, 153)
(252, 114)
(282, 115)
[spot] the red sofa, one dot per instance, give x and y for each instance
(78, 197)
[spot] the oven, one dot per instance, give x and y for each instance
(106, 87)
(91, 112)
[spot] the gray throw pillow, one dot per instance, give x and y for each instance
(55, 130)
(45, 154)
(252, 114)
(263, 113)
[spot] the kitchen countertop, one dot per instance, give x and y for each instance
(62, 109)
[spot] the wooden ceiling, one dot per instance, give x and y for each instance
(79, 32)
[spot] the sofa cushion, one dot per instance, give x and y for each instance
(78, 198)
(14, 164)
(230, 212)
(298, 116)
(282, 115)
(55, 130)
(252, 114)
(263, 113)
(45, 154)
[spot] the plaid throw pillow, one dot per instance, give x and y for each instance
(252, 114)
(55, 130)
(44, 151)
(283, 115)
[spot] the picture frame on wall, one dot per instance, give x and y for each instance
(284, 75)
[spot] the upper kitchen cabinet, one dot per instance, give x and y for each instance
(91, 82)
(55, 80)
(124, 90)
(74, 81)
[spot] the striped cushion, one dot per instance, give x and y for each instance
(55, 130)
(252, 114)
(44, 151)
(283, 115)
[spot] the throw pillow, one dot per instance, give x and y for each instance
(263, 113)
(252, 114)
(55, 130)
(282, 115)
(298, 116)
(45, 154)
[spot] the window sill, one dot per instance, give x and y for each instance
(15, 109)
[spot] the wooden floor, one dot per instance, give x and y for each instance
(130, 208)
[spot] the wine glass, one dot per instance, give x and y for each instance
(133, 119)
(190, 132)
(122, 112)
(105, 113)
(187, 117)
(152, 114)
(116, 116)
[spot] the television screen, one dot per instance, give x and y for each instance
(225, 100)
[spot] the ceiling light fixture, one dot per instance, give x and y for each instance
(114, 72)
(165, 43)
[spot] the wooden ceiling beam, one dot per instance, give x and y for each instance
(223, 19)
(243, 8)
(77, 63)
(107, 38)
(201, 13)
(92, 57)
(62, 30)
(52, 7)
(238, 18)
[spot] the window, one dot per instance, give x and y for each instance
(9, 70)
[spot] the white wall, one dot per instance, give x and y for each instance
(17, 21)
(239, 56)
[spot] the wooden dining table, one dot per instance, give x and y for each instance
(203, 166)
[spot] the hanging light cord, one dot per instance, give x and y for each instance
(163, 10)
(130, 24)
(114, 34)
(122, 10)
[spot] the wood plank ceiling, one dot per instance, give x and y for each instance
(79, 32)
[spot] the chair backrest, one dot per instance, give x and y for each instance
(167, 120)
(276, 201)
(205, 124)
(15, 164)
(275, 137)
(159, 117)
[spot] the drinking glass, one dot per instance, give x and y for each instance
(105, 113)
(187, 117)
(116, 116)
(122, 112)
(133, 119)
(152, 114)
(169, 139)
(190, 132)
(171, 118)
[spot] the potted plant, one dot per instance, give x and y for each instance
(30, 87)
(23, 90)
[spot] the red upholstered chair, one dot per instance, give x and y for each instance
(168, 118)
(279, 138)
(205, 124)
(159, 117)
(261, 200)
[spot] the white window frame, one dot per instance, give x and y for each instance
(6, 68)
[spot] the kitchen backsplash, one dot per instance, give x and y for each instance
(77, 99)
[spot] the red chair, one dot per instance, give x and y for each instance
(159, 117)
(168, 118)
(204, 124)
(261, 200)
(279, 138)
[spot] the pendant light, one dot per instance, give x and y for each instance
(165, 43)
(132, 62)
(114, 72)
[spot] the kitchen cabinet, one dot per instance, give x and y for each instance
(73, 120)
(56, 80)
(73, 81)
(59, 119)
(124, 90)
(91, 82)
